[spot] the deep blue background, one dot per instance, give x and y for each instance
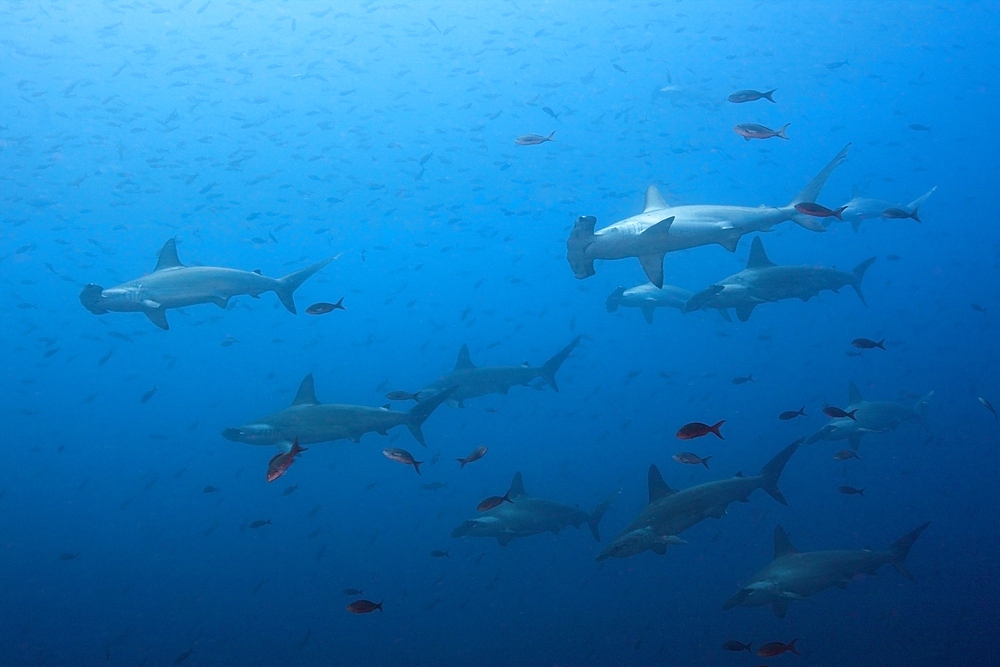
(311, 124)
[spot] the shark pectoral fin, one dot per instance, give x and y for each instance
(780, 608)
(730, 243)
(724, 314)
(149, 303)
(158, 316)
(647, 312)
(221, 302)
(284, 445)
(854, 440)
(653, 267)
(744, 310)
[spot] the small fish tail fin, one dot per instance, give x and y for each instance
(551, 134)
(580, 238)
(839, 213)
(810, 193)
(714, 428)
(286, 285)
(791, 646)
(780, 132)
(614, 299)
(880, 344)
(419, 413)
(417, 464)
(771, 473)
(859, 274)
(598, 513)
(901, 548)
(704, 462)
(379, 605)
(767, 95)
(548, 370)
(339, 305)
(462, 462)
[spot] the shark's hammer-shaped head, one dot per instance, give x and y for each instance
(99, 301)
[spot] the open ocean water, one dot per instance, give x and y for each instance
(137, 525)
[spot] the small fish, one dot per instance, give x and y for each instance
(619, 68)
(353, 591)
(817, 211)
(754, 131)
(148, 395)
(402, 396)
(290, 490)
(437, 553)
(837, 65)
(741, 96)
(69, 556)
(868, 344)
(260, 523)
(279, 464)
(493, 501)
(533, 139)
(733, 645)
(893, 258)
(477, 453)
(792, 414)
(103, 360)
(433, 486)
(901, 214)
(692, 459)
(976, 307)
(917, 127)
(851, 491)
(323, 307)
(837, 413)
(743, 380)
(777, 648)
(210, 489)
(228, 340)
(402, 456)
(551, 112)
(697, 429)
(989, 406)
(184, 656)
(363, 607)
(845, 454)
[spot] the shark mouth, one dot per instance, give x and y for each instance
(91, 298)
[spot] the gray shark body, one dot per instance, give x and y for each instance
(793, 575)
(870, 417)
(649, 297)
(173, 285)
(763, 281)
(672, 512)
(524, 516)
(861, 208)
(311, 421)
(660, 229)
(471, 381)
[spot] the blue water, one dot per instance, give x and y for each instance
(383, 134)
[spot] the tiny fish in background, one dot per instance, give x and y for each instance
(743, 380)
(777, 648)
(323, 307)
(851, 491)
(363, 607)
(697, 430)
(477, 453)
(754, 131)
(868, 343)
(148, 395)
(792, 414)
(741, 96)
(402, 456)
(534, 139)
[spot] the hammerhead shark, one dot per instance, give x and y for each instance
(311, 421)
(649, 297)
(795, 575)
(868, 417)
(862, 208)
(660, 229)
(173, 285)
(763, 281)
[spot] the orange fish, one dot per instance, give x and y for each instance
(493, 501)
(323, 307)
(777, 648)
(477, 453)
(697, 429)
(277, 466)
(817, 211)
(402, 456)
(363, 607)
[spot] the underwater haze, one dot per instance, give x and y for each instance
(434, 165)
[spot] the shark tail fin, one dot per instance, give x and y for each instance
(549, 369)
(580, 238)
(419, 413)
(901, 548)
(598, 513)
(285, 289)
(918, 202)
(811, 192)
(771, 473)
(614, 299)
(859, 273)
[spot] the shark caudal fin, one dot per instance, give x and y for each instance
(548, 370)
(771, 472)
(810, 193)
(859, 273)
(918, 202)
(901, 547)
(614, 300)
(419, 413)
(580, 238)
(285, 289)
(598, 513)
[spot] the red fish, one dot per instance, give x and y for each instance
(792, 414)
(777, 648)
(754, 131)
(402, 456)
(363, 607)
(494, 501)
(692, 459)
(278, 465)
(323, 307)
(477, 453)
(533, 139)
(817, 211)
(868, 343)
(837, 413)
(697, 429)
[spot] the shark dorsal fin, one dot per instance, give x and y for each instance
(517, 487)
(654, 200)
(782, 547)
(758, 258)
(853, 394)
(258, 272)
(306, 394)
(167, 258)
(657, 487)
(464, 362)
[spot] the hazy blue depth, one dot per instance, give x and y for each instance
(271, 135)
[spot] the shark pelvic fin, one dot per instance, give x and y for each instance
(419, 413)
(464, 361)
(745, 310)
(758, 257)
(782, 546)
(286, 285)
(167, 258)
(517, 488)
(158, 316)
(854, 440)
(654, 200)
(647, 312)
(306, 395)
(657, 487)
(653, 266)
